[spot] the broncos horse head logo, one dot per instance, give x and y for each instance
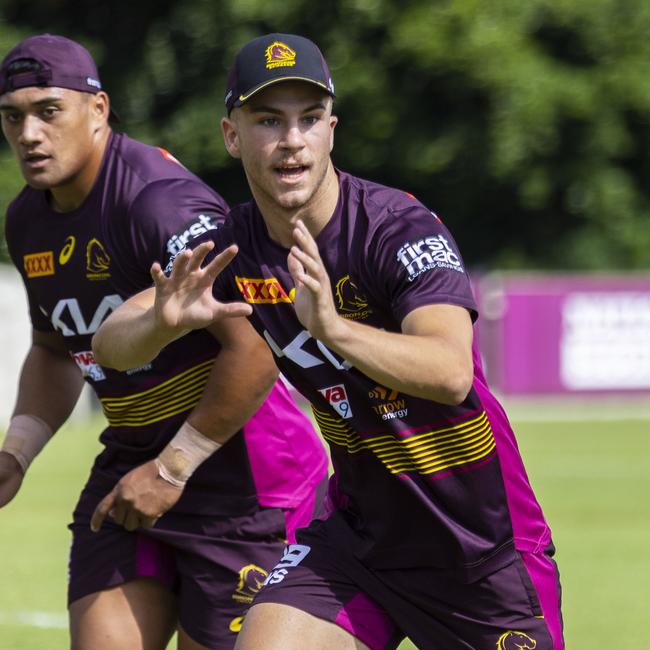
(279, 54)
(348, 296)
(251, 579)
(97, 259)
(513, 640)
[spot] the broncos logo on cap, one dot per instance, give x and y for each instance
(513, 640)
(279, 54)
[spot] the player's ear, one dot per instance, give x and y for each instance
(230, 136)
(100, 106)
(333, 122)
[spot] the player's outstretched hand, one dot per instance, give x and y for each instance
(11, 478)
(138, 499)
(314, 302)
(184, 300)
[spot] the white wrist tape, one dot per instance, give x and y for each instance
(26, 436)
(183, 454)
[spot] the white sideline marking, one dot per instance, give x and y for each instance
(47, 620)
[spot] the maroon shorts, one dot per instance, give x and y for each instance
(515, 607)
(214, 565)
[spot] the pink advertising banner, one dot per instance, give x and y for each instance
(552, 334)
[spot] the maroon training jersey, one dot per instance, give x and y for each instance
(78, 266)
(420, 483)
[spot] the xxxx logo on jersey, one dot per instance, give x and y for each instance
(38, 265)
(263, 291)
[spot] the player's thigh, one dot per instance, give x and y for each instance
(138, 615)
(280, 627)
(221, 565)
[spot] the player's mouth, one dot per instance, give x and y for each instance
(291, 173)
(35, 160)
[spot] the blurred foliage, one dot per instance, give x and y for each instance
(525, 125)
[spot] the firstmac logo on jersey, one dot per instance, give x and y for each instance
(178, 241)
(338, 399)
(428, 253)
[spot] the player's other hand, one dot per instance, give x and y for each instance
(11, 478)
(138, 500)
(184, 300)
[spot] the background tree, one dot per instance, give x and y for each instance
(524, 125)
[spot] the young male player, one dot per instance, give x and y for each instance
(97, 210)
(434, 531)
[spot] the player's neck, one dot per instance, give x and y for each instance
(315, 214)
(71, 195)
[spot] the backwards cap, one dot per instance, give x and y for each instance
(50, 60)
(274, 58)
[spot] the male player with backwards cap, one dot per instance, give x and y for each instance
(434, 531)
(98, 208)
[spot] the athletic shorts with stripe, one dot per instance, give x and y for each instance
(515, 607)
(214, 565)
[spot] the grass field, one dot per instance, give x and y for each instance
(593, 479)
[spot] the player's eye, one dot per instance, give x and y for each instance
(11, 117)
(269, 121)
(49, 112)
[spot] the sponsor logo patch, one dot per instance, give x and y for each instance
(513, 640)
(279, 55)
(67, 250)
(428, 253)
(351, 303)
(38, 265)
(98, 261)
(293, 555)
(178, 241)
(338, 399)
(263, 291)
(89, 367)
(391, 406)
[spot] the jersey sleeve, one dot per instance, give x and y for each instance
(414, 261)
(164, 217)
(38, 319)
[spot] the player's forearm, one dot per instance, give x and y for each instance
(130, 337)
(49, 386)
(423, 366)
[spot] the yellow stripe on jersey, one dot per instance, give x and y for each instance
(169, 398)
(424, 453)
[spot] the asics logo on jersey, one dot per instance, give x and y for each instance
(338, 400)
(513, 640)
(263, 291)
(178, 241)
(67, 250)
(38, 265)
(294, 554)
(427, 254)
(68, 319)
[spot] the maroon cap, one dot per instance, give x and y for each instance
(50, 60)
(273, 58)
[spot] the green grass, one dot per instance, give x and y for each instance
(592, 478)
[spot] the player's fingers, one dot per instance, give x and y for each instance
(148, 522)
(234, 310)
(311, 266)
(101, 511)
(157, 274)
(221, 261)
(198, 256)
(299, 275)
(131, 520)
(179, 267)
(304, 239)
